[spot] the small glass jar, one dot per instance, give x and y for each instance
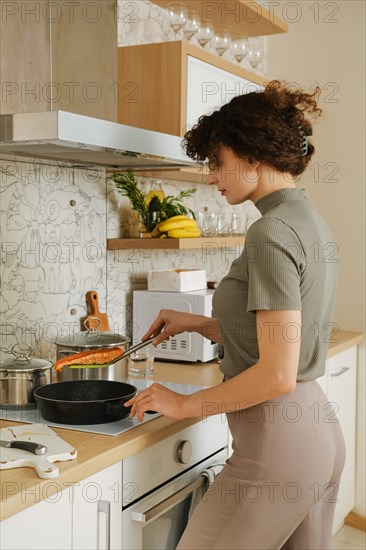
(155, 190)
(148, 224)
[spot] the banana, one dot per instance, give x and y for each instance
(177, 218)
(168, 224)
(184, 233)
(155, 232)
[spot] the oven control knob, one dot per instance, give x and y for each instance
(184, 452)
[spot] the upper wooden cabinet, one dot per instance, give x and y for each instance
(171, 84)
(241, 17)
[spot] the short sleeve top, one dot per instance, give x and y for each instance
(289, 262)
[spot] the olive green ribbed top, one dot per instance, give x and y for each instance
(289, 262)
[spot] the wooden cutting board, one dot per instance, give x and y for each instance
(57, 449)
(96, 319)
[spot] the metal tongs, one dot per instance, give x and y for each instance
(136, 347)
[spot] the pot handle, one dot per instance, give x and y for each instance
(89, 328)
(22, 355)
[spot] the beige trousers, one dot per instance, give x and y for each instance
(279, 488)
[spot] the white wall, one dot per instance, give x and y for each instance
(326, 45)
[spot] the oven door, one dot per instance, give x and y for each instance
(157, 521)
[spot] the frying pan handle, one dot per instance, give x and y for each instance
(114, 409)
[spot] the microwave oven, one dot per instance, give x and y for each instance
(188, 346)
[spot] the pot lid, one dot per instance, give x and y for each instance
(92, 337)
(23, 361)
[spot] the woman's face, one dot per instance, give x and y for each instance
(234, 177)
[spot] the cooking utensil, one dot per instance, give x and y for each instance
(92, 301)
(92, 340)
(84, 401)
(20, 376)
(140, 345)
(29, 446)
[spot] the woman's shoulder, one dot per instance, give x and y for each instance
(270, 229)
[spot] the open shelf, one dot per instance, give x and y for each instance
(242, 18)
(174, 244)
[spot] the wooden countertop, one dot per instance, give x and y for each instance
(96, 452)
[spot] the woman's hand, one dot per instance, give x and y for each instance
(159, 399)
(169, 323)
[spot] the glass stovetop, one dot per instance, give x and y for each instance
(109, 428)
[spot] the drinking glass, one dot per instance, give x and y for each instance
(177, 16)
(237, 224)
(192, 26)
(255, 54)
(221, 224)
(222, 42)
(239, 49)
(205, 34)
(148, 223)
(209, 224)
(141, 363)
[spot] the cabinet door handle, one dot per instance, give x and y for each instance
(155, 511)
(340, 371)
(104, 507)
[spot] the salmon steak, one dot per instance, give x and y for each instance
(90, 357)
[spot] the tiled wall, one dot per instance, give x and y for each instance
(54, 224)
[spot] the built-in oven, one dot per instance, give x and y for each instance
(162, 484)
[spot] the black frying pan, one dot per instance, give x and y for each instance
(84, 401)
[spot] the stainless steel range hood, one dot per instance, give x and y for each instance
(82, 140)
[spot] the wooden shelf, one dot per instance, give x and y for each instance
(174, 244)
(188, 175)
(242, 18)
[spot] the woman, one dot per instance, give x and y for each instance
(273, 314)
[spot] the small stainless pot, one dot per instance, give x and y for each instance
(20, 376)
(92, 339)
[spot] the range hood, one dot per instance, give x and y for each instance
(82, 140)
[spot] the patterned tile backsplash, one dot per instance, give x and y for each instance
(54, 224)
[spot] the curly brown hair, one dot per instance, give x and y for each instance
(266, 126)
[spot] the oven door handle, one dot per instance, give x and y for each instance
(154, 512)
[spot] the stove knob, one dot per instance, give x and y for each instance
(184, 452)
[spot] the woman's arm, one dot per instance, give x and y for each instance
(170, 322)
(279, 338)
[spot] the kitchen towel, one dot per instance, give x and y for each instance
(210, 474)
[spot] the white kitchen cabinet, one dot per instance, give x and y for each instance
(342, 376)
(97, 511)
(172, 84)
(209, 87)
(44, 526)
(169, 85)
(85, 516)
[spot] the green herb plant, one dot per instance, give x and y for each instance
(170, 206)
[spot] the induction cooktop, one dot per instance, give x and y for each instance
(109, 428)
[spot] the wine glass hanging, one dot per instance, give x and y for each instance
(177, 16)
(192, 25)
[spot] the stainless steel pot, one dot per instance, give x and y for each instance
(88, 340)
(20, 376)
